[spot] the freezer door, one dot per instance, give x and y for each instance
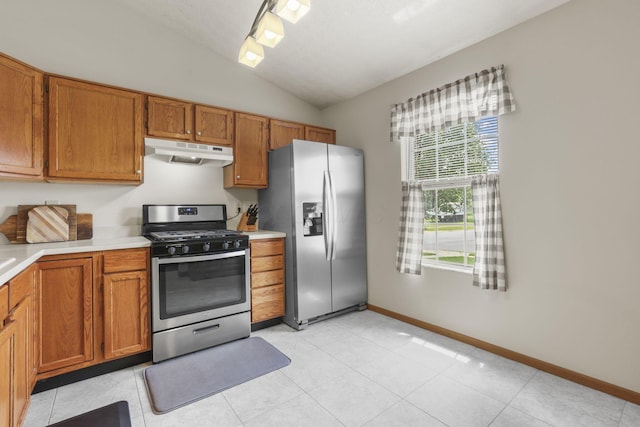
(313, 271)
(349, 260)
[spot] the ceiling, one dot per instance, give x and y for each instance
(343, 48)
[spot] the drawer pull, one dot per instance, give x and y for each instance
(203, 330)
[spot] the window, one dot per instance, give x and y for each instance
(445, 161)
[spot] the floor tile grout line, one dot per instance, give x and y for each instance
(135, 379)
(53, 405)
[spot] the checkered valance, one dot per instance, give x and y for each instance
(466, 100)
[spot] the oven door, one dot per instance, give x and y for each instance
(191, 289)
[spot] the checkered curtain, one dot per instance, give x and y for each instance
(489, 268)
(466, 100)
(409, 254)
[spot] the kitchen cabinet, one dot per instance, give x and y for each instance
(65, 315)
(95, 133)
(267, 279)
(23, 312)
(126, 302)
(17, 347)
(169, 118)
(174, 119)
(94, 307)
(22, 129)
(282, 133)
(317, 134)
(250, 148)
(7, 373)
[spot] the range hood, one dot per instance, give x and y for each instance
(188, 152)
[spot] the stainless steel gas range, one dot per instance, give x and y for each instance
(200, 280)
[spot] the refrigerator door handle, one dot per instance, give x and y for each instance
(334, 217)
(326, 195)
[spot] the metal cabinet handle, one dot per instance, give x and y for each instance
(207, 329)
(188, 131)
(199, 133)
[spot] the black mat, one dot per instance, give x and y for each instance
(187, 379)
(114, 415)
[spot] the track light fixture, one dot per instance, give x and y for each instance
(267, 29)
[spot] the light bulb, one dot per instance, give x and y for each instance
(250, 56)
(270, 34)
(293, 5)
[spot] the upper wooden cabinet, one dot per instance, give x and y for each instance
(95, 132)
(170, 118)
(250, 162)
(312, 133)
(281, 133)
(21, 125)
(214, 125)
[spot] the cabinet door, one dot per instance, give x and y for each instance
(214, 125)
(21, 112)
(169, 118)
(316, 134)
(95, 132)
(65, 315)
(126, 314)
(23, 286)
(7, 340)
(23, 317)
(249, 168)
(283, 133)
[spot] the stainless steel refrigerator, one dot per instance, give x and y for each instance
(316, 197)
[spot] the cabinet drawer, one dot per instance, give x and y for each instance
(267, 263)
(267, 303)
(21, 286)
(267, 247)
(125, 260)
(4, 303)
(266, 278)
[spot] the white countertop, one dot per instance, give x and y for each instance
(263, 234)
(26, 254)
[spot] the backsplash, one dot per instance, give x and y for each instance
(117, 209)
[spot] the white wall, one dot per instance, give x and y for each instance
(569, 187)
(104, 42)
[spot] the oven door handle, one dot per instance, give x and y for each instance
(202, 257)
(206, 329)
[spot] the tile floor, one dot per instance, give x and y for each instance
(362, 369)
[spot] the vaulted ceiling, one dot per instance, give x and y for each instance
(343, 48)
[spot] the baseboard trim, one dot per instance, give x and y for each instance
(594, 383)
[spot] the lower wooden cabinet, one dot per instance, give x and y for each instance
(66, 319)
(126, 303)
(17, 347)
(267, 279)
(7, 373)
(93, 307)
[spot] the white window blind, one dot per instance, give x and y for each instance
(455, 154)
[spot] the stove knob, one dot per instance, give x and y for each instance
(225, 245)
(171, 250)
(237, 244)
(206, 246)
(185, 249)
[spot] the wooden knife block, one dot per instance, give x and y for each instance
(243, 226)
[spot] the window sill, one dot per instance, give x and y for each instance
(459, 269)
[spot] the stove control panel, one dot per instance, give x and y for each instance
(190, 248)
